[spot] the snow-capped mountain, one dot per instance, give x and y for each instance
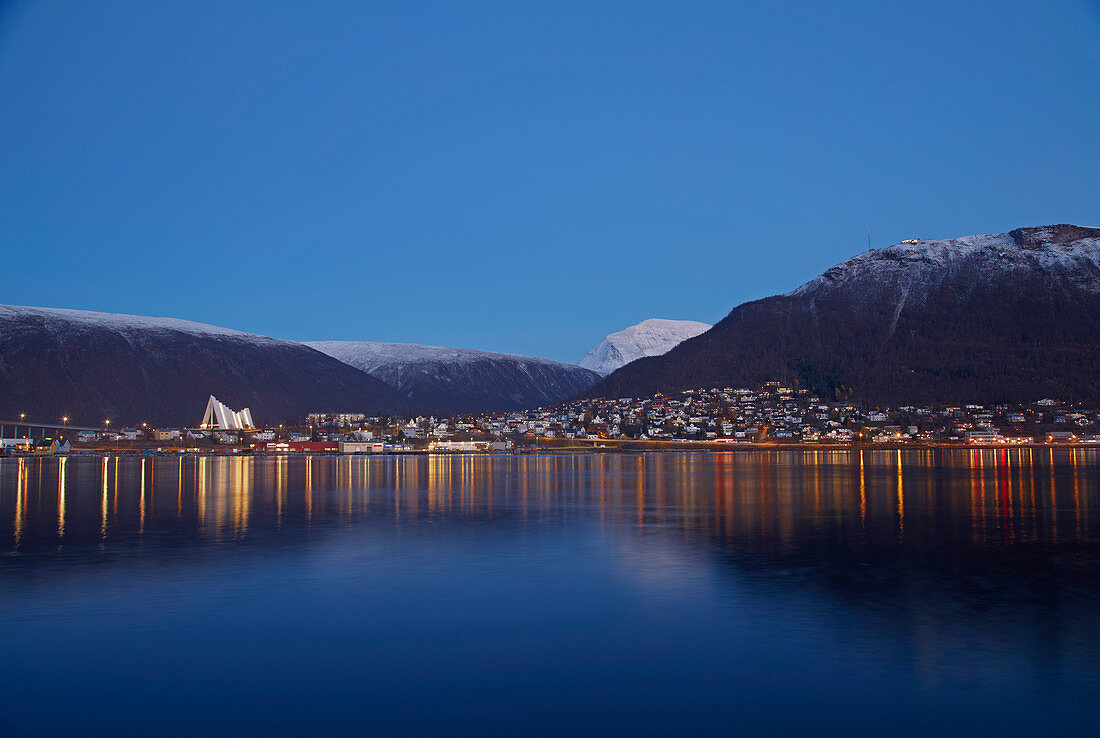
(462, 380)
(651, 337)
(1001, 317)
(131, 368)
(917, 269)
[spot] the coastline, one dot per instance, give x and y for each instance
(593, 449)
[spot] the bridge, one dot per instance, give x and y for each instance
(12, 428)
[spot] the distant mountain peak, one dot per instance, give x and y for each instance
(652, 337)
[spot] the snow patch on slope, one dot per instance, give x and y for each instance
(652, 337)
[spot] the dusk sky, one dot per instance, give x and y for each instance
(518, 179)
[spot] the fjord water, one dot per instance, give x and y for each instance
(750, 592)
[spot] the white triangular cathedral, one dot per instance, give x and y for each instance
(218, 416)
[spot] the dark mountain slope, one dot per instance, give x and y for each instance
(1003, 317)
(92, 366)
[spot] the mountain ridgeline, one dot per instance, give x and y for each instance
(991, 318)
(91, 366)
(454, 380)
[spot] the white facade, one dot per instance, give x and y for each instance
(220, 417)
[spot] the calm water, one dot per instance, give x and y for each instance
(741, 593)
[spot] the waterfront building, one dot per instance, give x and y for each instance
(219, 416)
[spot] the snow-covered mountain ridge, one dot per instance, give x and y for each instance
(371, 355)
(462, 380)
(95, 364)
(652, 337)
(917, 268)
(133, 325)
(90, 365)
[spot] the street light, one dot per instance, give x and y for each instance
(64, 418)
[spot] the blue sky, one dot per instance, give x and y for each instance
(514, 177)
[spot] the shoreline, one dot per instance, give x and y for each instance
(630, 447)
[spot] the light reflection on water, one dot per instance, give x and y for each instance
(655, 593)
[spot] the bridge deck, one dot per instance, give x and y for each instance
(16, 424)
